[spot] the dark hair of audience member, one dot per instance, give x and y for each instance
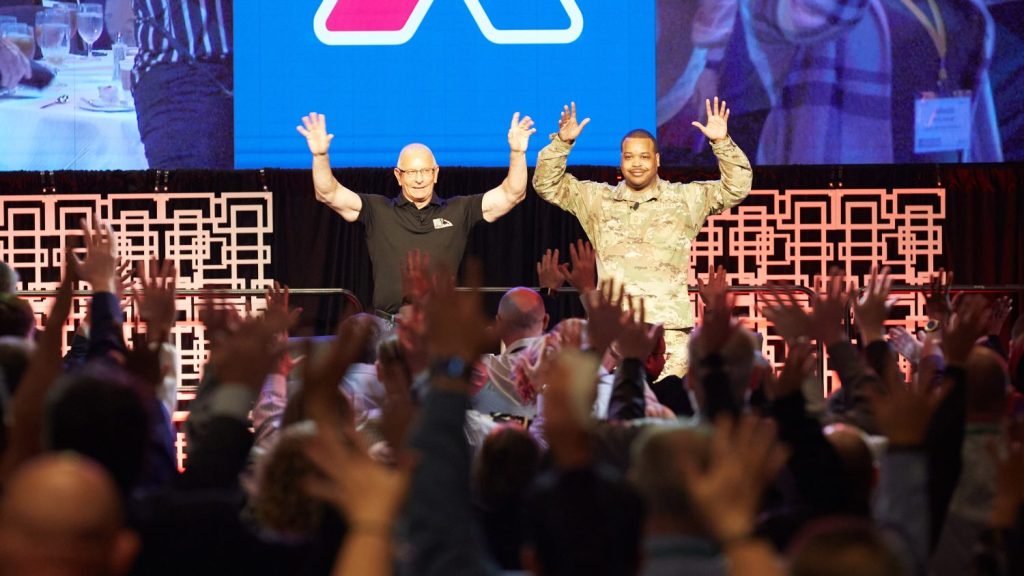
(505, 468)
(584, 522)
(988, 384)
(16, 316)
(14, 357)
(99, 412)
(859, 473)
(844, 547)
(282, 504)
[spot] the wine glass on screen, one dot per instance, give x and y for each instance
(90, 24)
(53, 34)
(21, 36)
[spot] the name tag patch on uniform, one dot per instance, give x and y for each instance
(441, 223)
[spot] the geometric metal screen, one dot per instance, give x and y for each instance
(223, 241)
(215, 240)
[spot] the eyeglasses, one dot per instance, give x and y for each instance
(425, 172)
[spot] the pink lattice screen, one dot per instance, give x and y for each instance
(222, 241)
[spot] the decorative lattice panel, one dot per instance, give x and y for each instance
(217, 241)
(796, 236)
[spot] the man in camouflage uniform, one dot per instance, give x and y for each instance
(642, 228)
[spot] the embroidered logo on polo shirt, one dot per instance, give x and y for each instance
(441, 223)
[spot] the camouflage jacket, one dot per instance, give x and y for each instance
(644, 239)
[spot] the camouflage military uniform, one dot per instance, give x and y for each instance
(644, 239)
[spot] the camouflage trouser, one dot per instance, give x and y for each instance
(677, 352)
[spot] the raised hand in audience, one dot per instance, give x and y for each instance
(416, 281)
(155, 299)
(937, 303)
(583, 275)
(872, 308)
(903, 413)
(605, 315)
(550, 274)
(906, 345)
(251, 351)
(831, 310)
(968, 323)
(717, 283)
(456, 326)
(789, 317)
(1001, 309)
(369, 495)
(799, 365)
(637, 339)
(99, 267)
(745, 458)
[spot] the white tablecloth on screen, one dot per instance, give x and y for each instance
(66, 137)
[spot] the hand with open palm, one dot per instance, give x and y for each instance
(568, 128)
(717, 127)
(314, 128)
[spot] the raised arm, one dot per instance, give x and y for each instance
(328, 189)
(499, 201)
(550, 179)
(737, 175)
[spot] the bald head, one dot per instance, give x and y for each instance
(416, 152)
(521, 315)
(61, 514)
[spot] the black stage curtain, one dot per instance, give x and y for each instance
(314, 247)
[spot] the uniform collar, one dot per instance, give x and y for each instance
(624, 194)
(435, 200)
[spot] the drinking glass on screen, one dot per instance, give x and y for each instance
(21, 36)
(53, 34)
(90, 24)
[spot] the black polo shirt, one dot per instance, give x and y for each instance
(394, 227)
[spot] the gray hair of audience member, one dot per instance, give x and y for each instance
(859, 468)
(521, 314)
(61, 514)
(656, 469)
(8, 279)
(988, 384)
(281, 504)
(16, 317)
(737, 360)
(378, 331)
(844, 547)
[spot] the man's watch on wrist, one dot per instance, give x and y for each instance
(453, 367)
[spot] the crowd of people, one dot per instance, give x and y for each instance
(427, 448)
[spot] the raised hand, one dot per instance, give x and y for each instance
(717, 282)
(605, 315)
(415, 276)
(936, 298)
(155, 300)
(637, 339)
(791, 321)
(903, 412)
(905, 344)
(799, 365)
(369, 495)
(277, 301)
(455, 321)
(568, 129)
(519, 133)
(964, 328)
(99, 268)
(717, 127)
(314, 129)
(872, 308)
(550, 274)
(744, 459)
(1001, 309)
(583, 276)
(830, 311)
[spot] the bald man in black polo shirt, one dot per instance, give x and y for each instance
(417, 219)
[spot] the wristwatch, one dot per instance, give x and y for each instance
(933, 325)
(454, 367)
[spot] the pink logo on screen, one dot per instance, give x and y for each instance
(384, 22)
